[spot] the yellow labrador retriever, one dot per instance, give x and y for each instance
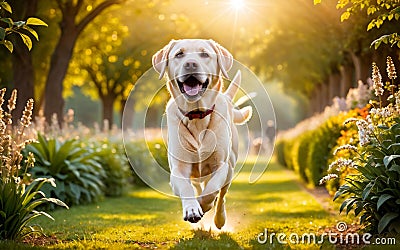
(202, 137)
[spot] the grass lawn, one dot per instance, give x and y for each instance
(146, 219)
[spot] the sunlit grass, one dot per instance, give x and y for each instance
(146, 218)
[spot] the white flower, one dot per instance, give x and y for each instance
(341, 163)
(377, 79)
(391, 70)
(350, 120)
(397, 98)
(327, 178)
(365, 130)
(358, 97)
(345, 147)
(383, 112)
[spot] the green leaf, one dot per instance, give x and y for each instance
(35, 21)
(395, 168)
(385, 220)
(345, 16)
(371, 25)
(9, 21)
(2, 33)
(388, 159)
(6, 6)
(9, 45)
(76, 190)
(350, 204)
(395, 147)
(367, 190)
(32, 31)
(27, 40)
(359, 208)
(57, 202)
(383, 199)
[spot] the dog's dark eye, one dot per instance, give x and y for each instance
(204, 54)
(179, 54)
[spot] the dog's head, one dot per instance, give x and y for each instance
(193, 67)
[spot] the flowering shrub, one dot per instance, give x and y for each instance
(372, 190)
(309, 154)
(357, 98)
(348, 137)
(306, 148)
(19, 194)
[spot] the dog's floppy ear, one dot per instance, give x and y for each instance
(225, 58)
(160, 59)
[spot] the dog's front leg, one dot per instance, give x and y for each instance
(217, 180)
(220, 181)
(181, 186)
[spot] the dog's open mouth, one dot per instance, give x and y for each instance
(192, 86)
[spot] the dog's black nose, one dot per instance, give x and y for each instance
(191, 65)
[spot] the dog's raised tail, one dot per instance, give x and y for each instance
(243, 115)
(234, 86)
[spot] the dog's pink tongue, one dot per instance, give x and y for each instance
(192, 90)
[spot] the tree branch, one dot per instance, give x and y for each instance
(92, 75)
(61, 6)
(77, 7)
(99, 8)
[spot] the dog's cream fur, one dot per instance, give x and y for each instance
(201, 152)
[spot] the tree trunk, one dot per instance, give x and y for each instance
(317, 107)
(108, 109)
(70, 30)
(22, 65)
(362, 66)
(23, 77)
(53, 100)
(324, 96)
(346, 79)
(127, 113)
(334, 86)
(313, 105)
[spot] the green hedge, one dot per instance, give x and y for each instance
(279, 147)
(308, 154)
(287, 152)
(118, 172)
(300, 160)
(141, 154)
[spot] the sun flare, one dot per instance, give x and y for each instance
(237, 4)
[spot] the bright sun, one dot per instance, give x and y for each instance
(237, 4)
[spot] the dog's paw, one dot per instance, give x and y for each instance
(192, 212)
(220, 218)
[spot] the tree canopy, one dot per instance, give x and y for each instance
(104, 46)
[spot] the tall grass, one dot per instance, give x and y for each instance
(20, 195)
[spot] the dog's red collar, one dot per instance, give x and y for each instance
(198, 114)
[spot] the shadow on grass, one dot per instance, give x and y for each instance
(203, 239)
